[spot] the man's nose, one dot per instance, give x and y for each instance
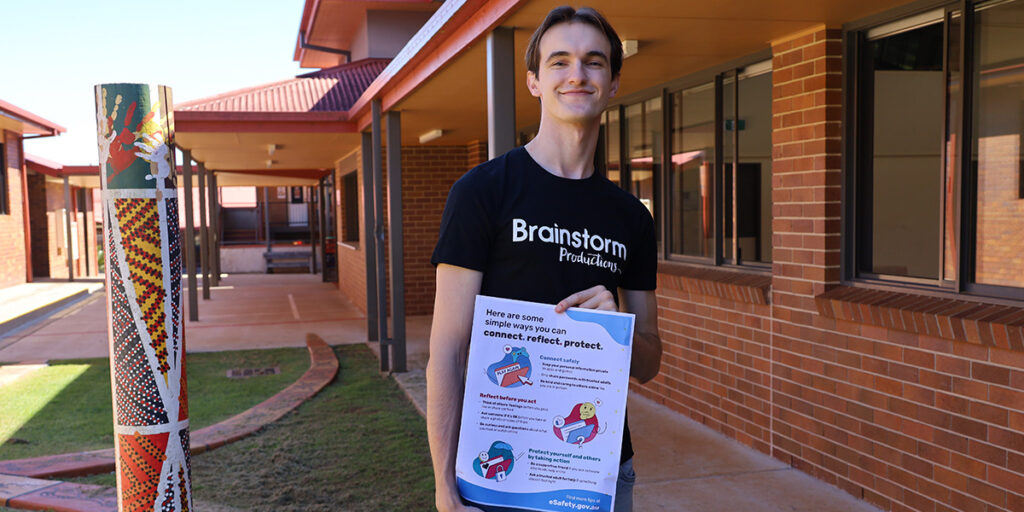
(576, 73)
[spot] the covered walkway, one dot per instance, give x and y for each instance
(246, 311)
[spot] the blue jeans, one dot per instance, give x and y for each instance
(624, 487)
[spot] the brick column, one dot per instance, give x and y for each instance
(806, 126)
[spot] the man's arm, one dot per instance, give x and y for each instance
(646, 360)
(457, 288)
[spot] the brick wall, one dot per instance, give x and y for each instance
(351, 255)
(13, 260)
(428, 172)
(908, 401)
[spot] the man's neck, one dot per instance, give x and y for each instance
(565, 150)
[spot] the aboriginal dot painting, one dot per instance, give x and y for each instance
(147, 348)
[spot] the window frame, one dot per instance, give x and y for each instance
(346, 235)
(5, 201)
(965, 174)
(662, 200)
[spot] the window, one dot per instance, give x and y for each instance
(936, 157)
(5, 207)
(350, 211)
(678, 152)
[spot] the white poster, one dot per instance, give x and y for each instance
(544, 408)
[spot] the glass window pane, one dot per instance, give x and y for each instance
(690, 180)
(904, 177)
(998, 133)
(950, 212)
(612, 143)
(643, 120)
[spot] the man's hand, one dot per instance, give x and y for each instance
(597, 297)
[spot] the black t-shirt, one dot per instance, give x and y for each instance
(540, 237)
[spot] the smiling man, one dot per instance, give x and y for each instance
(538, 224)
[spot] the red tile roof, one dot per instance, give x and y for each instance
(327, 90)
(34, 124)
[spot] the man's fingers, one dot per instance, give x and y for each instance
(597, 297)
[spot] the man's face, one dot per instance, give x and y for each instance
(574, 79)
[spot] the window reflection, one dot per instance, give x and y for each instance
(998, 117)
(691, 178)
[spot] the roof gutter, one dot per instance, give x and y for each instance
(307, 46)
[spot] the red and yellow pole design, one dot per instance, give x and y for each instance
(145, 323)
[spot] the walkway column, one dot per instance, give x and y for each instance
(266, 216)
(204, 234)
(211, 232)
(190, 239)
(395, 245)
(501, 92)
(146, 330)
(369, 235)
(68, 238)
(313, 228)
(322, 200)
(378, 234)
(218, 231)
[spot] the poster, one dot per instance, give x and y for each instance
(545, 402)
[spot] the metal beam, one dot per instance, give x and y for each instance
(369, 230)
(322, 198)
(189, 244)
(395, 245)
(378, 235)
(218, 231)
(204, 234)
(266, 216)
(501, 92)
(211, 232)
(310, 217)
(67, 228)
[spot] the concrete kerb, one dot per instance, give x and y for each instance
(31, 317)
(322, 371)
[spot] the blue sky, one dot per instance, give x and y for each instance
(55, 51)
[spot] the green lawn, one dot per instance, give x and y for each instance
(358, 445)
(66, 407)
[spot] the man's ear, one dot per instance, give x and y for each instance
(532, 84)
(614, 87)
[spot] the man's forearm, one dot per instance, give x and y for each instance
(444, 408)
(646, 359)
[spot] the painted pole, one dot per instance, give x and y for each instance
(145, 323)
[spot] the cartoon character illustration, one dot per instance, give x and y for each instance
(513, 370)
(496, 463)
(580, 426)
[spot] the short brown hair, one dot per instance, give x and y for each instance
(567, 14)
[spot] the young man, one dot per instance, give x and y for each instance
(493, 242)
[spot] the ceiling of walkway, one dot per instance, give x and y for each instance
(676, 38)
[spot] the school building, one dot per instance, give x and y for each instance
(838, 189)
(47, 226)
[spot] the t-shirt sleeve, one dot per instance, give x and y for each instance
(641, 272)
(466, 234)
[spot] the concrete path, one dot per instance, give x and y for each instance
(246, 311)
(681, 465)
(22, 305)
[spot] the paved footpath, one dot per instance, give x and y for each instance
(681, 465)
(22, 486)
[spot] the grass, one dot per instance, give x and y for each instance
(65, 407)
(358, 445)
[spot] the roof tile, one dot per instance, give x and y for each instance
(327, 90)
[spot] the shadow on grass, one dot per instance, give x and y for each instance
(78, 417)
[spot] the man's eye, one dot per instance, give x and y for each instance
(557, 63)
(595, 63)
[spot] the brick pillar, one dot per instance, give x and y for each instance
(806, 130)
